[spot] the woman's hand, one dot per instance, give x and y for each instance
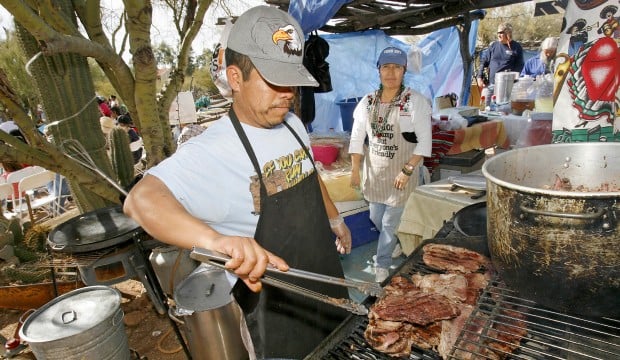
(355, 179)
(401, 181)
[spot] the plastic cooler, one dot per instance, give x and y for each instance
(357, 218)
(346, 111)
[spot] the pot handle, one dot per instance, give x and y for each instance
(68, 317)
(174, 317)
(586, 216)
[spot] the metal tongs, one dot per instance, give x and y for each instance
(373, 289)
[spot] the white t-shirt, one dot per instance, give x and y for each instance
(211, 173)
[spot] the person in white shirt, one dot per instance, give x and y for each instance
(396, 120)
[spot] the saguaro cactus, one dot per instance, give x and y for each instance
(120, 153)
(67, 92)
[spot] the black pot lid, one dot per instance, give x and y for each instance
(472, 220)
(92, 231)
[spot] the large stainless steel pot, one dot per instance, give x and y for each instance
(558, 248)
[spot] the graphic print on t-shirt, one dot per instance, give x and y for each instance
(279, 174)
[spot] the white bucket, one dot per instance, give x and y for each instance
(85, 323)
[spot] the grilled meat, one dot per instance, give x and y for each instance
(450, 330)
(452, 286)
(453, 259)
(389, 337)
(476, 282)
(430, 311)
(415, 307)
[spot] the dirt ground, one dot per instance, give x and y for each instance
(149, 334)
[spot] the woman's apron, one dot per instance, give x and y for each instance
(293, 224)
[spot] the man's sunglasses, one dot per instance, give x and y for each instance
(501, 32)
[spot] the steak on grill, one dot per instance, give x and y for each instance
(453, 258)
(414, 306)
(430, 311)
(452, 286)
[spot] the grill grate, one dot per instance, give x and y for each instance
(500, 319)
(550, 334)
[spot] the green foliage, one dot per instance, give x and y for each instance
(164, 54)
(101, 82)
(13, 62)
(201, 81)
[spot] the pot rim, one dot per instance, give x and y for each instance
(614, 149)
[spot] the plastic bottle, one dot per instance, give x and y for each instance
(483, 103)
(544, 95)
(490, 91)
(493, 105)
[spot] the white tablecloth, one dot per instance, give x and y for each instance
(428, 207)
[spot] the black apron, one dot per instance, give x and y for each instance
(293, 224)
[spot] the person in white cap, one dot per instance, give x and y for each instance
(543, 63)
(248, 187)
(396, 121)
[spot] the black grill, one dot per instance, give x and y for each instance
(549, 334)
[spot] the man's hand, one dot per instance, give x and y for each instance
(480, 82)
(248, 260)
(343, 235)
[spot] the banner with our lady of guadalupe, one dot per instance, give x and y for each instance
(587, 74)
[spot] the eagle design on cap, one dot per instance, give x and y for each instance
(292, 41)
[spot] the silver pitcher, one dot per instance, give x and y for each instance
(211, 319)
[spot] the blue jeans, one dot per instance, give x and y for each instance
(386, 219)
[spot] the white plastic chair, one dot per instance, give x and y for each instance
(19, 206)
(16, 176)
(38, 181)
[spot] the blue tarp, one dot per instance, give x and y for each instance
(353, 57)
(313, 14)
(353, 67)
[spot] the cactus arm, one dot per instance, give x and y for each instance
(122, 159)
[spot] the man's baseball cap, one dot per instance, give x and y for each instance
(274, 41)
(392, 55)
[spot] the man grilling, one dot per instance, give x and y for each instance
(248, 187)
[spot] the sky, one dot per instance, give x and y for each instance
(206, 39)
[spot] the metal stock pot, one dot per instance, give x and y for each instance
(560, 248)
